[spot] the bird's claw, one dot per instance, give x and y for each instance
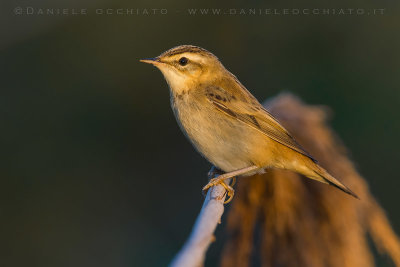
(229, 190)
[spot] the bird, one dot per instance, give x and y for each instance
(227, 124)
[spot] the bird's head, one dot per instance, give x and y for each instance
(186, 66)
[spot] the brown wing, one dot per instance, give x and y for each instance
(245, 108)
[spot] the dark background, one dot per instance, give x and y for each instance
(94, 169)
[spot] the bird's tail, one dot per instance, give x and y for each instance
(318, 173)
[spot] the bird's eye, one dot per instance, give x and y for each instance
(183, 61)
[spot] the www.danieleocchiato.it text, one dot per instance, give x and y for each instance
(286, 11)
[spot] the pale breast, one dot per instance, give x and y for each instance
(219, 138)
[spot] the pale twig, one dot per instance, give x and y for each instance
(193, 251)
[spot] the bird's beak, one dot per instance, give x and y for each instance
(153, 61)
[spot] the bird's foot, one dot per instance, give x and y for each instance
(214, 174)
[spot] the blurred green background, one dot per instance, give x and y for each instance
(94, 169)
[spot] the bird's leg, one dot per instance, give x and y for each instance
(222, 177)
(214, 181)
(214, 172)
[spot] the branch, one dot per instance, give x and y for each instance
(193, 252)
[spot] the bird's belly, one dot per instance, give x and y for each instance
(220, 139)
